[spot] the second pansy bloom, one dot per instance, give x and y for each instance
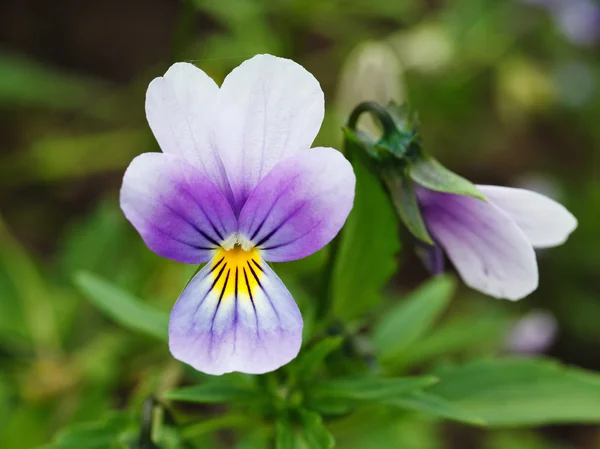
(237, 186)
(488, 232)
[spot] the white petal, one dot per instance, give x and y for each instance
(269, 108)
(487, 248)
(180, 107)
(544, 221)
(235, 315)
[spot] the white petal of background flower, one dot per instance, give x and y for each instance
(487, 248)
(180, 108)
(269, 108)
(545, 222)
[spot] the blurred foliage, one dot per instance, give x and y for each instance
(503, 98)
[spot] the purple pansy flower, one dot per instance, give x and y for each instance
(237, 186)
(578, 20)
(491, 243)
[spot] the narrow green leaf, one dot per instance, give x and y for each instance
(314, 432)
(405, 203)
(369, 388)
(412, 317)
(258, 439)
(428, 172)
(331, 406)
(521, 392)
(369, 242)
(434, 405)
(310, 360)
(285, 438)
(213, 392)
(123, 307)
(26, 82)
(94, 435)
(467, 333)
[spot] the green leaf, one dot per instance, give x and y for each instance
(310, 360)
(258, 439)
(521, 392)
(434, 405)
(331, 406)
(405, 202)
(95, 435)
(213, 392)
(369, 243)
(428, 172)
(314, 432)
(378, 427)
(412, 317)
(123, 307)
(27, 83)
(285, 438)
(467, 333)
(369, 388)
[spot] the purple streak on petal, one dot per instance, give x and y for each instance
(300, 205)
(487, 248)
(178, 212)
(219, 333)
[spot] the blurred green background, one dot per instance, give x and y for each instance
(507, 93)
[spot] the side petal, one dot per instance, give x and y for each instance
(235, 315)
(487, 248)
(545, 222)
(300, 205)
(180, 108)
(269, 108)
(178, 212)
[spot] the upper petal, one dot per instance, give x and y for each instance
(544, 221)
(235, 315)
(300, 205)
(269, 108)
(487, 248)
(179, 213)
(180, 110)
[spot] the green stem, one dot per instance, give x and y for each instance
(378, 111)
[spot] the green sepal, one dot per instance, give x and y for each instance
(358, 138)
(425, 170)
(400, 188)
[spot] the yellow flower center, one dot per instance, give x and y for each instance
(236, 272)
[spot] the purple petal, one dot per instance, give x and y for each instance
(300, 205)
(579, 20)
(269, 108)
(235, 315)
(487, 248)
(178, 212)
(544, 222)
(180, 107)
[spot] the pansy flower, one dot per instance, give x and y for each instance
(491, 243)
(237, 186)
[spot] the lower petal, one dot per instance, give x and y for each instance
(487, 248)
(545, 222)
(235, 315)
